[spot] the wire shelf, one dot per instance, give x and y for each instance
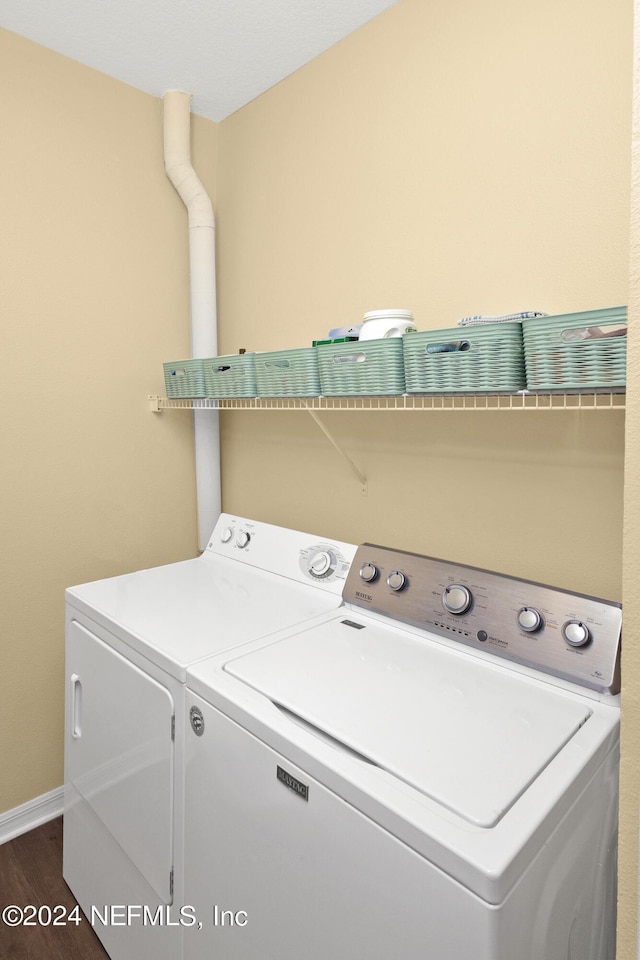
(432, 403)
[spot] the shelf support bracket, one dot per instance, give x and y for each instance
(360, 476)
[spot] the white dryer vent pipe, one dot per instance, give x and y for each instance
(202, 265)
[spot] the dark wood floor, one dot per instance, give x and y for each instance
(31, 873)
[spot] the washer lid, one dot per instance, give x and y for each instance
(470, 735)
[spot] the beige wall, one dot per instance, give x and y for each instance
(94, 295)
(630, 765)
(451, 158)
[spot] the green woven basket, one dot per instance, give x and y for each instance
(184, 379)
(368, 368)
(288, 373)
(577, 351)
(230, 377)
(479, 358)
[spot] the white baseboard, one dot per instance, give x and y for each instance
(32, 814)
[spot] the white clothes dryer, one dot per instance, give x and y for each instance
(129, 641)
(429, 772)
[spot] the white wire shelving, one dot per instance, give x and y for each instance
(431, 403)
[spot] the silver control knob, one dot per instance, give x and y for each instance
(243, 539)
(529, 619)
(320, 564)
(576, 633)
(368, 573)
(226, 534)
(396, 581)
(456, 599)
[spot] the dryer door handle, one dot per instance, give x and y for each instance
(76, 707)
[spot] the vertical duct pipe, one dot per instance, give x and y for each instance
(204, 338)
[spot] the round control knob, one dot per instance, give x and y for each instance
(529, 619)
(368, 573)
(243, 539)
(576, 633)
(396, 581)
(320, 564)
(226, 534)
(456, 599)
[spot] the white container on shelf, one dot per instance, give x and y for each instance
(386, 323)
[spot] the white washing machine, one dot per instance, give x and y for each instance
(129, 641)
(429, 772)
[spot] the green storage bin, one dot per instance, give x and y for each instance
(577, 351)
(478, 358)
(288, 373)
(184, 379)
(367, 368)
(230, 377)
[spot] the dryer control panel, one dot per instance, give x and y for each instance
(290, 553)
(569, 635)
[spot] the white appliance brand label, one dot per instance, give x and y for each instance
(298, 787)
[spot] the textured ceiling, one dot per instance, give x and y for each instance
(224, 52)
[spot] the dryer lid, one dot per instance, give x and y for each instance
(468, 734)
(180, 613)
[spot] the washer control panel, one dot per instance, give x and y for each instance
(569, 635)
